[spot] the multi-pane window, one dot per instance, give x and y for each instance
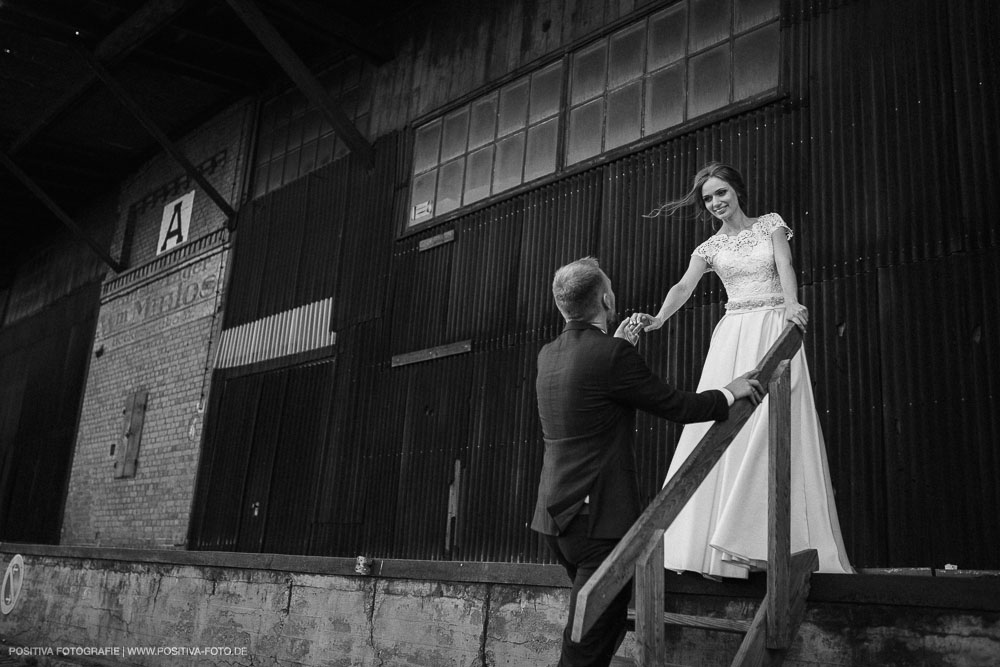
(489, 145)
(295, 138)
(689, 59)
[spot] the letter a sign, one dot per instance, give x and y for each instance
(176, 223)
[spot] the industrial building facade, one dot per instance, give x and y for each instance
(345, 365)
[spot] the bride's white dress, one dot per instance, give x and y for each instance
(722, 531)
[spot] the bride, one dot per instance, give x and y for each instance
(722, 531)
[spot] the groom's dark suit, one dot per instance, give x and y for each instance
(589, 385)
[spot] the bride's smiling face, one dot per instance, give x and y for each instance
(719, 198)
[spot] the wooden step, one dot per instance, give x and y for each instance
(701, 622)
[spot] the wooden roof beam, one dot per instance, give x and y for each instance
(313, 90)
(317, 18)
(63, 217)
(147, 122)
(125, 38)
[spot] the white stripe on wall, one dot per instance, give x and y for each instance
(290, 332)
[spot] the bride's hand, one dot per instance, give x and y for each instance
(797, 314)
(647, 322)
(628, 330)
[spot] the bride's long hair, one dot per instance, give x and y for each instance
(693, 200)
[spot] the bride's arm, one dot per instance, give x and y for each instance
(676, 296)
(794, 311)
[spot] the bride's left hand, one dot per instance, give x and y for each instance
(797, 314)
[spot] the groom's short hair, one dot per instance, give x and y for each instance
(577, 288)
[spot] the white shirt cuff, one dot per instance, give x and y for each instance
(729, 396)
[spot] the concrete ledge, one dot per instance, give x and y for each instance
(529, 574)
(974, 592)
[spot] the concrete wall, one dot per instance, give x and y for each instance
(281, 617)
(295, 610)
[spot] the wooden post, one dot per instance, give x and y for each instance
(779, 508)
(649, 591)
(753, 652)
(619, 567)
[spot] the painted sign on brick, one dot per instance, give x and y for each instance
(180, 297)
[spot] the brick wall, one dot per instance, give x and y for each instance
(156, 327)
(218, 149)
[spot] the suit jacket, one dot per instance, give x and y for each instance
(589, 385)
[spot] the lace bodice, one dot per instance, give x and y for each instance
(745, 263)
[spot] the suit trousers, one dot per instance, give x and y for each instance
(581, 556)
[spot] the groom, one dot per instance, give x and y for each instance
(589, 386)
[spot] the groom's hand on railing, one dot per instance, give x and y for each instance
(747, 386)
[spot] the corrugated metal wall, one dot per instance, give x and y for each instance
(882, 157)
(43, 364)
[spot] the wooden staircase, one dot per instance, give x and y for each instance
(640, 553)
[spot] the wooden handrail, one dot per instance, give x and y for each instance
(619, 567)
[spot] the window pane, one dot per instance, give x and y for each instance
(292, 166)
(624, 115)
(589, 72)
(295, 133)
(456, 127)
(310, 125)
(324, 126)
(482, 127)
(449, 194)
(274, 175)
(708, 83)
(626, 55)
(361, 122)
(710, 22)
(264, 147)
(665, 99)
(755, 62)
(546, 91)
(308, 161)
(510, 159)
(325, 151)
(280, 141)
(341, 149)
(585, 131)
(477, 182)
(348, 103)
(754, 12)
(422, 196)
(297, 103)
(542, 142)
(667, 37)
(269, 115)
(260, 180)
(513, 107)
(425, 146)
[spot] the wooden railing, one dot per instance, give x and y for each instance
(640, 551)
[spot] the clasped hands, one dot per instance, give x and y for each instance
(745, 386)
(635, 324)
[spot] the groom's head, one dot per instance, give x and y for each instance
(583, 291)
